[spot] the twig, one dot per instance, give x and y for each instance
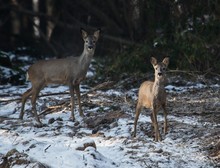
(98, 87)
(43, 95)
(103, 85)
(45, 150)
(50, 109)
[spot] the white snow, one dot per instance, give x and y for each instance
(8, 109)
(56, 146)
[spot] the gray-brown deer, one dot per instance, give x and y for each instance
(153, 95)
(67, 71)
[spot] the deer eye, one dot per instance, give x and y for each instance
(87, 41)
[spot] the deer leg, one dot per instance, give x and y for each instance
(72, 117)
(77, 90)
(138, 111)
(23, 100)
(152, 121)
(156, 129)
(35, 93)
(165, 118)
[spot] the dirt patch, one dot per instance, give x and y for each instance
(211, 144)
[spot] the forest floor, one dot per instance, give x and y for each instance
(103, 138)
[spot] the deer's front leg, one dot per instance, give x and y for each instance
(23, 100)
(77, 89)
(71, 88)
(156, 129)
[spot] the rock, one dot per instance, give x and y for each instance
(114, 124)
(59, 119)
(95, 130)
(107, 119)
(76, 123)
(51, 121)
(16, 159)
(94, 158)
(3, 162)
(94, 122)
(85, 144)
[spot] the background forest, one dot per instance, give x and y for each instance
(132, 31)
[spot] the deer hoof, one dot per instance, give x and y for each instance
(158, 139)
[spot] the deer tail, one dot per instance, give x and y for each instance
(27, 76)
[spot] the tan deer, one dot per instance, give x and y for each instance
(67, 71)
(153, 95)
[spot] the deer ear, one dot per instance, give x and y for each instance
(96, 34)
(166, 61)
(153, 61)
(84, 33)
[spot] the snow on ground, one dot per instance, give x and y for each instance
(55, 144)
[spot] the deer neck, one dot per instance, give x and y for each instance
(86, 58)
(158, 86)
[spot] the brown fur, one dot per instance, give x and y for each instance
(153, 95)
(68, 71)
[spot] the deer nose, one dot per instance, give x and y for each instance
(90, 47)
(160, 74)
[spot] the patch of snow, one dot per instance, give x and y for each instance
(7, 71)
(8, 109)
(55, 144)
(113, 93)
(90, 74)
(172, 88)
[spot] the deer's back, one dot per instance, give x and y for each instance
(57, 71)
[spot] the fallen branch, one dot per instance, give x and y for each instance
(101, 86)
(104, 85)
(51, 109)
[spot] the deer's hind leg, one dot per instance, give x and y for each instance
(137, 114)
(24, 98)
(35, 93)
